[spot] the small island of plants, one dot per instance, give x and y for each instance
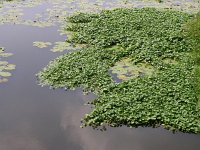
(164, 40)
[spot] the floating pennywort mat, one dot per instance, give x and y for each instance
(126, 40)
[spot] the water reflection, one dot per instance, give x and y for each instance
(123, 138)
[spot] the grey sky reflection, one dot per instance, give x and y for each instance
(123, 137)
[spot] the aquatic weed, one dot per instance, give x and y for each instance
(166, 98)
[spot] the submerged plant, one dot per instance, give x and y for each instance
(142, 36)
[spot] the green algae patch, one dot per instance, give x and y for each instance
(41, 44)
(60, 46)
(130, 41)
(5, 67)
(5, 74)
(126, 70)
(11, 16)
(5, 54)
(3, 80)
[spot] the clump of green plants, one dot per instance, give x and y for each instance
(165, 97)
(192, 29)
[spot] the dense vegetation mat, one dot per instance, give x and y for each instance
(166, 97)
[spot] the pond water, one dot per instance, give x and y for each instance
(38, 118)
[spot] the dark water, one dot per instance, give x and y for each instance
(37, 118)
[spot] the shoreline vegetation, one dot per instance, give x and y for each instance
(164, 40)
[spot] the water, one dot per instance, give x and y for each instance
(37, 118)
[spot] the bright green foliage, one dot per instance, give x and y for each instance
(87, 68)
(166, 97)
(193, 31)
(147, 33)
(193, 28)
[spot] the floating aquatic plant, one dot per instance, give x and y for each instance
(5, 67)
(5, 54)
(12, 12)
(11, 16)
(5, 74)
(41, 44)
(131, 38)
(192, 29)
(60, 46)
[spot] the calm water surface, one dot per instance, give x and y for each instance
(37, 118)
